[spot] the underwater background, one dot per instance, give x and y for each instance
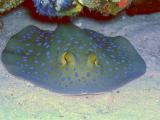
(137, 100)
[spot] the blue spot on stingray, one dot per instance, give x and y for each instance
(36, 61)
(72, 38)
(22, 40)
(114, 60)
(24, 60)
(69, 78)
(46, 75)
(97, 71)
(28, 37)
(18, 50)
(67, 69)
(30, 50)
(88, 74)
(50, 68)
(24, 37)
(110, 69)
(63, 79)
(123, 61)
(17, 63)
(76, 74)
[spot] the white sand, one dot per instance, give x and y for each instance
(138, 100)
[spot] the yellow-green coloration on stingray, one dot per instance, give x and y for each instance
(72, 60)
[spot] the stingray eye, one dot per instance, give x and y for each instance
(67, 58)
(92, 59)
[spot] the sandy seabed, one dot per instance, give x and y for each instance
(137, 100)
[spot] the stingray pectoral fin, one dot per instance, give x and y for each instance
(135, 65)
(18, 40)
(10, 60)
(19, 49)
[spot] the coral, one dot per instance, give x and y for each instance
(60, 8)
(6, 5)
(143, 7)
(53, 8)
(73, 7)
(106, 7)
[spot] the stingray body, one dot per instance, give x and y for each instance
(72, 60)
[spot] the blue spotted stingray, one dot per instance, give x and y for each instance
(71, 60)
